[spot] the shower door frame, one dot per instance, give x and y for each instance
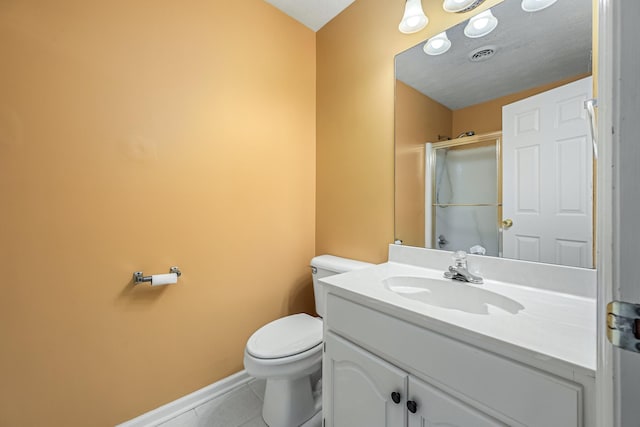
(430, 182)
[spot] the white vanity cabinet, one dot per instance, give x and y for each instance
(362, 386)
(366, 391)
(433, 407)
(371, 354)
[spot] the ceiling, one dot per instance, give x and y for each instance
(532, 49)
(312, 13)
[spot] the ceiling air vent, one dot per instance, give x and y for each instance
(482, 53)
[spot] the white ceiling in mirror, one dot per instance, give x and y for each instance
(312, 13)
(531, 49)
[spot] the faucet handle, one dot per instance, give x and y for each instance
(459, 259)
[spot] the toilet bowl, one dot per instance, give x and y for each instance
(287, 353)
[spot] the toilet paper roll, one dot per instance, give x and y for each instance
(164, 279)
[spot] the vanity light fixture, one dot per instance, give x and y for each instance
(536, 5)
(481, 25)
(460, 6)
(414, 18)
(437, 45)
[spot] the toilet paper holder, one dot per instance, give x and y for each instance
(138, 277)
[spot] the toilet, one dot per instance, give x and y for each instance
(287, 353)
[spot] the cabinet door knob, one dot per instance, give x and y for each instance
(412, 406)
(395, 396)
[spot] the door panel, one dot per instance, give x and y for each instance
(437, 409)
(359, 387)
(547, 177)
(626, 197)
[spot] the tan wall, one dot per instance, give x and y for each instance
(418, 119)
(355, 125)
(136, 136)
(487, 116)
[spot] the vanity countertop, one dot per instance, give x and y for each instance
(547, 325)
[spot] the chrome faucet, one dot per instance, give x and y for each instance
(458, 271)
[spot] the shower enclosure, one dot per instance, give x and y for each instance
(463, 200)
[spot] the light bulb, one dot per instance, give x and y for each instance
(536, 5)
(413, 21)
(437, 45)
(414, 18)
(481, 25)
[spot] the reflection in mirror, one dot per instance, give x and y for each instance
(459, 215)
(515, 96)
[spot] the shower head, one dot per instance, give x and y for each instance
(468, 133)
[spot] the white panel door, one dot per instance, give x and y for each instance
(434, 408)
(358, 388)
(547, 177)
(620, 142)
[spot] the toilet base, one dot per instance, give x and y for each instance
(290, 403)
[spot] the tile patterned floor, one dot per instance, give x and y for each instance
(241, 407)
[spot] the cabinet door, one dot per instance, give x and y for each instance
(434, 408)
(358, 388)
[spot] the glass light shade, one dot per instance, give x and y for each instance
(536, 5)
(459, 5)
(437, 45)
(414, 18)
(481, 25)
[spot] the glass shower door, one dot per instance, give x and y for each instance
(463, 195)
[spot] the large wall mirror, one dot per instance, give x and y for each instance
(493, 140)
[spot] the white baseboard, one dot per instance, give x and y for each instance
(180, 406)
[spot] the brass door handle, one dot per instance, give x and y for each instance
(507, 223)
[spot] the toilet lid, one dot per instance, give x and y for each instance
(285, 337)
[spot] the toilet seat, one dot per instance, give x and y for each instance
(286, 337)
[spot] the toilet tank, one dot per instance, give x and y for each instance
(328, 265)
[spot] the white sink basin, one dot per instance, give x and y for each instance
(450, 294)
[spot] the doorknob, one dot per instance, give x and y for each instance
(507, 223)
